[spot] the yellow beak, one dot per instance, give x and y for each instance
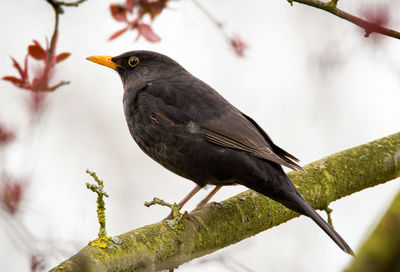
(104, 60)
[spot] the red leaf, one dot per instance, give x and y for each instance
(147, 32)
(13, 80)
(130, 4)
(62, 56)
(18, 67)
(36, 51)
(118, 33)
(118, 12)
(152, 7)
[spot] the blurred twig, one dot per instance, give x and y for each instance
(57, 7)
(331, 7)
(235, 41)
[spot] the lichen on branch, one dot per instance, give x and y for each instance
(101, 206)
(157, 247)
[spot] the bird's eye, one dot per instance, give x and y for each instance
(133, 61)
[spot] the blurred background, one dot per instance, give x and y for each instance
(310, 79)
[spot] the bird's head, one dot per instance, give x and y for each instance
(139, 67)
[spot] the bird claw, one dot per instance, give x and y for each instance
(194, 219)
(209, 204)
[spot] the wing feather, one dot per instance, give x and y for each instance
(234, 130)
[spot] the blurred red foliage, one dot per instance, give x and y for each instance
(42, 75)
(137, 9)
(238, 45)
(36, 80)
(37, 263)
(6, 135)
(11, 195)
(378, 15)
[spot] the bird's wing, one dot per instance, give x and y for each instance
(178, 104)
(237, 131)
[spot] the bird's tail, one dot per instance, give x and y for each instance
(278, 186)
(299, 205)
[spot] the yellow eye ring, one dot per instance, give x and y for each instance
(133, 61)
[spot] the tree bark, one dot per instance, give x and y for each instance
(168, 244)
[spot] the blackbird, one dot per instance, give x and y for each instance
(190, 129)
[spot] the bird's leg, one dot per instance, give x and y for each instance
(184, 200)
(208, 197)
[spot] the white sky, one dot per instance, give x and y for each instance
(307, 109)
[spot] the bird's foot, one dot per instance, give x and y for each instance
(208, 204)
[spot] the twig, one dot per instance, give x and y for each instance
(329, 215)
(57, 11)
(70, 4)
(57, 7)
(208, 14)
(236, 43)
(99, 190)
(367, 26)
(176, 221)
(59, 84)
(211, 17)
(157, 201)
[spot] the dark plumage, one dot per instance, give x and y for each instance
(190, 129)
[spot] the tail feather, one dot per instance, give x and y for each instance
(304, 208)
(277, 186)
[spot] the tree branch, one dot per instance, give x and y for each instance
(158, 246)
(367, 26)
(381, 250)
(71, 4)
(57, 7)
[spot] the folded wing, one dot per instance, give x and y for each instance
(238, 131)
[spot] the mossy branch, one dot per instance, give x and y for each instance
(156, 247)
(381, 250)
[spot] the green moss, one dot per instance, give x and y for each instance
(332, 3)
(156, 247)
(381, 250)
